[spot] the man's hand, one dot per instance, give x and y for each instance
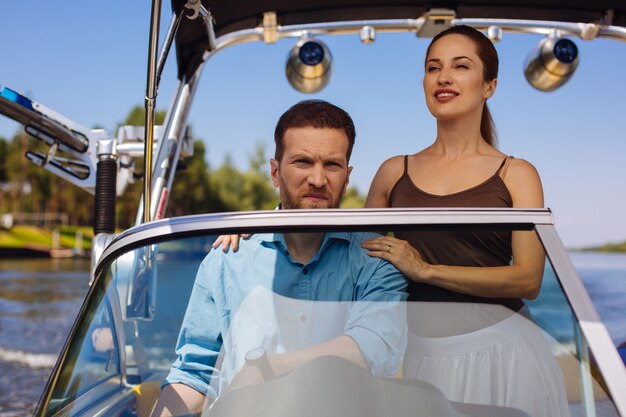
(343, 347)
(247, 375)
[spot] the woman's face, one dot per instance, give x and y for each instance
(453, 79)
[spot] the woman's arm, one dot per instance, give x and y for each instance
(521, 279)
(387, 175)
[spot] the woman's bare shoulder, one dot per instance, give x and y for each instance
(387, 175)
(522, 169)
(524, 184)
(394, 161)
(391, 168)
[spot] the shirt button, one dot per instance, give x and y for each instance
(303, 317)
(305, 270)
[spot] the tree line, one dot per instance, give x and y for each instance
(197, 188)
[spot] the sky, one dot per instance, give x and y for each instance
(88, 61)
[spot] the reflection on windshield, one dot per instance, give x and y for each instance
(279, 325)
(93, 359)
(504, 359)
(416, 358)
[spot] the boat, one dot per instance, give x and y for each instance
(142, 278)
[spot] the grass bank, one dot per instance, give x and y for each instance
(39, 238)
(609, 247)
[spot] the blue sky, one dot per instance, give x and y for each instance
(88, 60)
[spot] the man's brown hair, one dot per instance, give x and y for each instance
(313, 113)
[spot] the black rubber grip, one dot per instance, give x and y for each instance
(104, 207)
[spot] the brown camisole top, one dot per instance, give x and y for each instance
(468, 247)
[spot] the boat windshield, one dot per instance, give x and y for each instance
(277, 329)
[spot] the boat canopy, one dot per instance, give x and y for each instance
(229, 16)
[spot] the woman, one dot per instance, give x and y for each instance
(453, 345)
(469, 336)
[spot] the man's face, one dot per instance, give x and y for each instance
(314, 171)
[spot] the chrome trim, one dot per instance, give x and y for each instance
(572, 285)
(594, 331)
(150, 103)
(304, 77)
(169, 38)
(169, 147)
(118, 323)
(584, 367)
(103, 393)
(544, 27)
(176, 133)
(258, 220)
(98, 244)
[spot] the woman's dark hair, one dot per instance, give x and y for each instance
(314, 113)
(489, 57)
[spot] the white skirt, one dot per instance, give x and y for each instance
(508, 363)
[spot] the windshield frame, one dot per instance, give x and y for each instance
(593, 330)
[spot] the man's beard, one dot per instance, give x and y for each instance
(291, 201)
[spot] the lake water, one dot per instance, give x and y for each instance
(40, 298)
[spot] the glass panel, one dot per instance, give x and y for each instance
(586, 391)
(93, 357)
(162, 276)
(271, 331)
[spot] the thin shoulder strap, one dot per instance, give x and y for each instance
(405, 174)
(504, 166)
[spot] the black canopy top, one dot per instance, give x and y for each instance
(233, 15)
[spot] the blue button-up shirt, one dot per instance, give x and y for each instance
(290, 306)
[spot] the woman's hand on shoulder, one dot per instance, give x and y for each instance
(229, 242)
(387, 175)
(400, 254)
(524, 184)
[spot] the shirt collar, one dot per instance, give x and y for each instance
(280, 238)
(277, 240)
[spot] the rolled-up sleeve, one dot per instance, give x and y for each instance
(377, 320)
(199, 340)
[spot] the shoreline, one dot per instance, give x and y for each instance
(26, 242)
(40, 253)
(29, 242)
(23, 253)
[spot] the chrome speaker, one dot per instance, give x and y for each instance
(309, 65)
(551, 63)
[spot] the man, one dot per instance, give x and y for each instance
(314, 141)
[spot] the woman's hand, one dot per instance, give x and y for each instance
(401, 255)
(229, 241)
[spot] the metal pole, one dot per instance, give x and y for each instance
(169, 38)
(151, 93)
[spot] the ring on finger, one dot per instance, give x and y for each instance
(388, 248)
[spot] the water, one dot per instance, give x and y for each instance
(39, 300)
(604, 276)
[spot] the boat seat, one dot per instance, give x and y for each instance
(571, 375)
(147, 393)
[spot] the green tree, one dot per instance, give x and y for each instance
(352, 199)
(137, 117)
(4, 150)
(196, 188)
(28, 183)
(4, 178)
(250, 190)
(191, 190)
